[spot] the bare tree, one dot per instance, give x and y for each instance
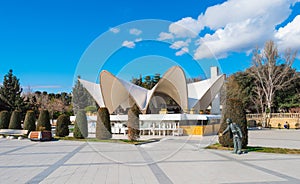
(271, 72)
(42, 100)
(257, 98)
(55, 105)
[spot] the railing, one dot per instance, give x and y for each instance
(274, 115)
(253, 116)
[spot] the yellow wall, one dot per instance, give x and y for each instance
(276, 118)
(274, 121)
(192, 130)
(201, 130)
(291, 121)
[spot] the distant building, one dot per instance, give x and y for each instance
(170, 100)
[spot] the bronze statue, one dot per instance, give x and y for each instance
(237, 135)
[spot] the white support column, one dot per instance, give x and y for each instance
(215, 105)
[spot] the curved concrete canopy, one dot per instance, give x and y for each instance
(114, 92)
(202, 93)
(173, 83)
(94, 90)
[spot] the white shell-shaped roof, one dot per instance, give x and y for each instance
(114, 92)
(94, 90)
(202, 93)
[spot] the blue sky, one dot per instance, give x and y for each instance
(43, 41)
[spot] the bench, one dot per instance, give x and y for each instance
(13, 132)
(40, 135)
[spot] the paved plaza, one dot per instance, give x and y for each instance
(171, 160)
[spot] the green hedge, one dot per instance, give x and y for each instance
(91, 109)
(81, 125)
(62, 125)
(235, 111)
(43, 122)
(103, 127)
(15, 120)
(29, 122)
(4, 119)
(133, 123)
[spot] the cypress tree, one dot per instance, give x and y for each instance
(235, 111)
(43, 122)
(29, 122)
(81, 125)
(80, 97)
(4, 119)
(103, 127)
(15, 120)
(62, 125)
(133, 123)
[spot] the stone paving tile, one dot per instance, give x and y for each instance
(173, 160)
(275, 138)
(286, 166)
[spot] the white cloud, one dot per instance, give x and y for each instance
(237, 25)
(234, 11)
(135, 31)
(240, 26)
(138, 40)
(165, 36)
(114, 30)
(128, 44)
(46, 87)
(180, 44)
(182, 51)
(289, 36)
(238, 37)
(186, 27)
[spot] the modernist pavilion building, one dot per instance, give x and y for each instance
(172, 106)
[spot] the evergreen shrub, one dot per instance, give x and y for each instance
(103, 127)
(235, 111)
(29, 122)
(15, 120)
(62, 125)
(43, 122)
(81, 125)
(133, 123)
(4, 119)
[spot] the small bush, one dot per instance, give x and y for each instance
(259, 124)
(251, 123)
(62, 125)
(279, 125)
(4, 119)
(15, 120)
(43, 122)
(29, 122)
(297, 126)
(91, 109)
(103, 127)
(81, 125)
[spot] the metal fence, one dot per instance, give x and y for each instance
(273, 115)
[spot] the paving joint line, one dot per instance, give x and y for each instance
(268, 171)
(44, 174)
(17, 149)
(156, 170)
